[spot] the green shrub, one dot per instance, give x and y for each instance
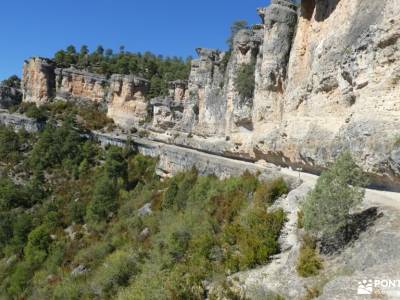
(179, 244)
(92, 118)
(76, 211)
(224, 63)
(116, 271)
(68, 289)
(9, 145)
(141, 169)
(170, 195)
(143, 134)
(300, 219)
(94, 254)
(338, 190)
(19, 279)
(12, 81)
(55, 145)
(269, 192)
(11, 195)
(38, 244)
(253, 238)
(245, 80)
(57, 252)
(21, 228)
(397, 141)
(115, 165)
(309, 263)
(104, 200)
(37, 113)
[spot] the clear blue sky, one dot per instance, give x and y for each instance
(167, 27)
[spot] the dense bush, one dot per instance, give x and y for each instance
(245, 80)
(338, 190)
(104, 200)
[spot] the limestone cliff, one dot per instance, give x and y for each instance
(38, 80)
(122, 96)
(76, 85)
(340, 91)
(127, 103)
(326, 81)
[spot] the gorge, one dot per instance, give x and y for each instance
(325, 80)
(123, 184)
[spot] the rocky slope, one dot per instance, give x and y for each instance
(373, 256)
(326, 80)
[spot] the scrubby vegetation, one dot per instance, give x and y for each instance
(309, 263)
(158, 69)
(87, 116)
(72, 227)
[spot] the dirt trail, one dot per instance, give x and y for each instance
(372, 197)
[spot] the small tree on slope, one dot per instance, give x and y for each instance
(338, 190)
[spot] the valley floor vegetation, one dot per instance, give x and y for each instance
(78, 221)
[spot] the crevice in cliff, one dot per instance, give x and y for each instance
(307, 9)
(324, 9)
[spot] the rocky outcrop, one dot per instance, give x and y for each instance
(205, 105)
(127, 104)
(123, 96)
(167, 113)
(246, 47)
(178, 90)
(19, 122)
(81, 86)
(38, 80)
(279, 25)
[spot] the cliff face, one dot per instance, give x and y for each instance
(76, 85)
(326, 79)
(341, 90)
(122, 96)
(127, 104)
(38, 82)
(205, 104)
